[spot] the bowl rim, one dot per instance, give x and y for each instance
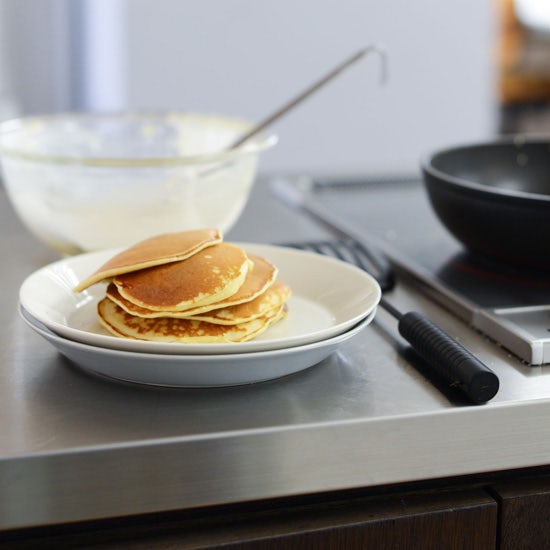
(256, 144)
(515, 139)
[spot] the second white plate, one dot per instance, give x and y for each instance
(329, 297)
(194, 371)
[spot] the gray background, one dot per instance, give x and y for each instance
(246, 57)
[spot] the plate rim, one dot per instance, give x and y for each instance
(202, 378)
(40, 328)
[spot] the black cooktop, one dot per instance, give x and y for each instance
(510, 305)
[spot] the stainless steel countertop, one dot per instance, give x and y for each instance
(76, 447)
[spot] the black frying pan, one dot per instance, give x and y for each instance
(495, 198)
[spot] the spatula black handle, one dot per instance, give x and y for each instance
(448, 358)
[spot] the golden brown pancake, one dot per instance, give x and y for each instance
(257, 280)
(208, 276)
(167, 329)
(162, 249)
(272, 298)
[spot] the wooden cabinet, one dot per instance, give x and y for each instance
(498, 511)
(438, 521)
(524, 508)
(425, 520)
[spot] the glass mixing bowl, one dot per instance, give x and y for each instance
(86, 181)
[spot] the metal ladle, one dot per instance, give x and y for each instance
(313, 88)
(289, 105)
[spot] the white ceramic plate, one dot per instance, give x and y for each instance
(329, 297)
(194, 370)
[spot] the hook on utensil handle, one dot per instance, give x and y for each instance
(313, 88)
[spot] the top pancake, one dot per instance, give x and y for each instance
(158, 250)
(208, 276)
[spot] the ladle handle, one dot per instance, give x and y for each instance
(310, 90)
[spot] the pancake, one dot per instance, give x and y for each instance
(274, 297)
(158, 250)
(257, 280)
(166, 329)
(208, 276)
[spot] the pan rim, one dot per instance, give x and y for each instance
(518, 140)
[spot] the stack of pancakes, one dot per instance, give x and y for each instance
(189, 287)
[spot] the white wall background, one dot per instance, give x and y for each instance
(247, 57)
